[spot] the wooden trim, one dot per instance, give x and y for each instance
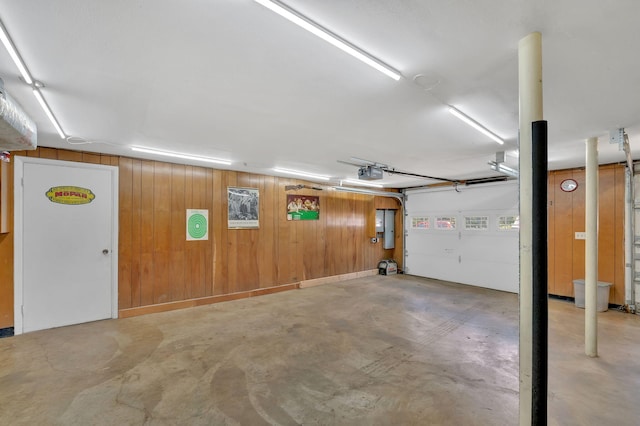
(337, 278)
(201, 301)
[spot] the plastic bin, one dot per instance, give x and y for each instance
(603, 295)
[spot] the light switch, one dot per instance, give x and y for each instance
(581, 235)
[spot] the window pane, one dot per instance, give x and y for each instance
(476, 222)
(446, 223)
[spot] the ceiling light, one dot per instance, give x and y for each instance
(299, 173)
(397, 195)
(13, 52)
(36, 85)
(359, 182)
(47, 111)
(501, 168)
(180, 155)
(328, 36)
(479, 127)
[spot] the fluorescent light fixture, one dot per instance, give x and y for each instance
(501, 168)
(13, 52)
(17, 59)
(328, 36)
(479, 127)
(362, 183)
(299, 173)
(47, 111)
(397, 195)
(180, 155)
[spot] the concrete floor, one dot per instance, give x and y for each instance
(372, 351)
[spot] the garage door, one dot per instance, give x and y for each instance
(469, 235)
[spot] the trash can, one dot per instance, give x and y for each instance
(603, 295)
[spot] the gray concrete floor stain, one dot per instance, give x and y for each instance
(372, 351)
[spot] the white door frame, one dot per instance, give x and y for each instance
(18, 243)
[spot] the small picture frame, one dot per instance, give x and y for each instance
(243, 208)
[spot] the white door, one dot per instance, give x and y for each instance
(65, 243)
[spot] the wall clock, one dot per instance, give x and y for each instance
(569, 185)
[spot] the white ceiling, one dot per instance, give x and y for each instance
(231, 79)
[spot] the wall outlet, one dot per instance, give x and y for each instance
(581, 235)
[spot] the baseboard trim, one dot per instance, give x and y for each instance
(201, 301)
(337, 278)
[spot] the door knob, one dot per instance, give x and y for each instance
(105, 251)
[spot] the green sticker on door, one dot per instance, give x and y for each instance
(197, 225)
(73, 195)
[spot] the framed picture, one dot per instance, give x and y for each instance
(244, 208)
(303, 207)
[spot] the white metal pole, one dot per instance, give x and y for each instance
(530, 104)
(591, 251)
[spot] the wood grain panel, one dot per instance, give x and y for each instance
(6, 251)
(178, 233)
(136, 233)
(125, 231)
(219, 236)
(161, 231)
(189, 249)
(551, 257)
(247, 243)
(208, 255)
(267, 243)
(106, 160)
(146, 229)
(567, 255)
(578, 199)
(157, 267)
(564, 230)
(386, 203)
(198, 201)
(49, 153)
(69, 155)
(232, 237)
(88, 157)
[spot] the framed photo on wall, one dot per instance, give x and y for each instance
(244, 208)
(303, 207)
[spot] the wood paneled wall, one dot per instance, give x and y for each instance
(567, 216)
(6, 247)
(157, 264)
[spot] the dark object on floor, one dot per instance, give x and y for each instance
(387, 267)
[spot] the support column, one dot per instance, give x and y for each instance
(591, 251)
(530, 105)
(540, 285)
